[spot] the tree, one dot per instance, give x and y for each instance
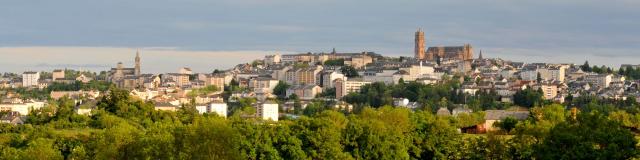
(528, 98)
(585, 67)
(539, 78)
(349, 71)
(507, 124)
(605, 139)
(281, 89)
(41, 149)
(334, 62)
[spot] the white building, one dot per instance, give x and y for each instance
(345, 87)
(218, 107)
(272, 59)
(529, 75)
(185, 70)
(30, 79)
(268, 111)
(552, 74)
(22, 108)
(329, 78)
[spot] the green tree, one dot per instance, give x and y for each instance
(281, 89)
(349, 71)
(507, 124)
(41, 149)
(604, 139)
(585, 67)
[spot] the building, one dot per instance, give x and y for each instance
(358, 61)
(344, 87)
(217, 80)
(309, 75)
(57, 74)
(492, 116)
(119, 74)
(218, 107)
(599, 80)
(279, 72)
(180, 79)
(13, 118)
(185, 70)
(552, 73)
(272, 59)
(263, 83)
(464, 52)
(84, 79)
(549, 90)
(268, 111)
(419, 45)
(30, 79)
(305, 92)
(329, 77)
(22, 108)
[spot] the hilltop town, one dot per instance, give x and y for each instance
(285, 85)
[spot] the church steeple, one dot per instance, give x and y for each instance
(480, 57)
(137, 66)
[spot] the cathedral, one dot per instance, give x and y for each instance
(464, 52)
(125, 77)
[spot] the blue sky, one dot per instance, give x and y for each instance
(604, 32)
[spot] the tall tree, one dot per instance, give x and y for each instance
(349, 71)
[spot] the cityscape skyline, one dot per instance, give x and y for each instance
(529, 31)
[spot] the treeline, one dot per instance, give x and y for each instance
(629, 71)
(127, 128)
(430, 97)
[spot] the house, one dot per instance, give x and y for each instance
(57, 74)
(305, 92)
(22, 108)
(84, 79)
(493, 116)
(12, 118)
(443, 111)
(86, 107)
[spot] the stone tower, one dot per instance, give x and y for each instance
(467, 52)
(419, 48)
(137, 67)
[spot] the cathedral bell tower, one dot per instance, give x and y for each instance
(420, 46)
(137, 67)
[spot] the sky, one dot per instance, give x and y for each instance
(217, 34)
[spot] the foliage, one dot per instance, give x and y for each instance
(281, 89)
(349, 71)
(203, 91)
(528, 97)
(127, 128)
(334, 62)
